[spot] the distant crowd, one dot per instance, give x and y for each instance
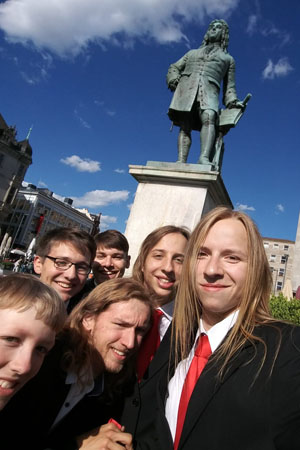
(182, 354)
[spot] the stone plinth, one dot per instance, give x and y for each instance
(171, 194)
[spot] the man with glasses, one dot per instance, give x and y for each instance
(63, 260)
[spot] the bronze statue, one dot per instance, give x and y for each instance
(196, 80)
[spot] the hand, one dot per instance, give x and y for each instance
(173, 85)
(107, 437)
(236, 104)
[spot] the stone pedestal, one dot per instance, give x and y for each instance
(296, 261)
(171, 194)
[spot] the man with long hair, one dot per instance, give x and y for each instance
(234, 377)
(196, 79)
(158, 266)
(101, 337)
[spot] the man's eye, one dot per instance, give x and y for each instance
(179, 259)
(201, 255)
(60, 263)
(41, 349)
(10, 339)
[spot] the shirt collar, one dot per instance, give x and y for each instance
(168, 309)
(217, 333)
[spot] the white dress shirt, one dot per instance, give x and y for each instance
(215, 334)
(76, 393)
(166, 318)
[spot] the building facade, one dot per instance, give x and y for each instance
(15, 157)
(36, 211)
(280, 254)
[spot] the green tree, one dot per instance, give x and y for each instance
(284, 309)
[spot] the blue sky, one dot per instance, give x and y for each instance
(90, 77)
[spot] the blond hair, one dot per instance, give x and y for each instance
(254, 304)
(23, 291)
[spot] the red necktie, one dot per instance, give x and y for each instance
(149, 345)
(202, 353)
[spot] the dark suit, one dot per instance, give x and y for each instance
(87, 288)
(140, 407)
(33, 410)
(241, 412)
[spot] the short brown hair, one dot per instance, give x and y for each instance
(80, 239)
(23, 291)
(112, 239)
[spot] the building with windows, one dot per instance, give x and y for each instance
(280, 254)
(36, 211)
(15, 157)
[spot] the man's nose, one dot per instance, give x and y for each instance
(71, 272)
(213, 266)
(168, 265)
(107, 261)
(23, 361)
(129, 338)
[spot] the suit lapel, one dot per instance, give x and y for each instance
(208, 385)
(161, 358)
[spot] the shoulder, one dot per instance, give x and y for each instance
(283, 337)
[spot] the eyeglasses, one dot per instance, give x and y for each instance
(62, 264)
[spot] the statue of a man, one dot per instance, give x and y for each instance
(196, 79)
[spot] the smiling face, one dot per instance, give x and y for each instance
(69, 282)
(118, 331)
(221, 270)
(163, 266)
(109, 263)
(24, 342)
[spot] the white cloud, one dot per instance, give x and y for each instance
(280, 207)
(280, 69)
(252, 23)
(101, 104)
(106, 221)
(97, 198)
(42, 184)
(83, 122)
(66, 27)
(119, 170)
(241, 207)
(82, 165)
(58, 197)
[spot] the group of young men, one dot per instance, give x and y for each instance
(212, 367)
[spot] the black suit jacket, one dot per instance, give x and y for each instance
(139, 407)
(249, 409)
(26, 420)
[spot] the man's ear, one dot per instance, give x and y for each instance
(128, 261)
(89, 322)
(38, 264)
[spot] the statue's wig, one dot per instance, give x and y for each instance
(225, 34)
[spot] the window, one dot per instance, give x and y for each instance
(285, 248)
(272, 258)
(275, 245)
(266, 244)
(278, 285)
(284, 259)
(281, 272)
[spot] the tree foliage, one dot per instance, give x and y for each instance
(284, 309)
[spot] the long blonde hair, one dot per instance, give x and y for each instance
(254, 304)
